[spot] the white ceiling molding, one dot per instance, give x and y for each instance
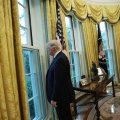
(112, 2)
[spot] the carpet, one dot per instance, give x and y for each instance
(109, 108)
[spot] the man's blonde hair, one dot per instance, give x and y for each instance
(54, 44)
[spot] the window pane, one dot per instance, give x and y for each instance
(108, 52)
(32, 110)
(103, 33)
(29, 86)
(37, 110)
(77, 80)
(22, 16)
(23, 33)
(70, 39)
(26, 55)
(70, 33)
(34, 83)
(105, 44)
(24, 24)
(23, 2)
(68, 22)
(75, 68)
(110, 63)
(71, 58)
(73, 71)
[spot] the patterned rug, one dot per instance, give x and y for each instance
(109, 108)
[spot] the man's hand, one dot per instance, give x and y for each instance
(53, 103)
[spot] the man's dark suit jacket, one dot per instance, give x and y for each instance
(58, 81)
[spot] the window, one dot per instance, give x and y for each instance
(24, 21)
(106, 47)
(74, 55)
(75, 68)
(33, 83)
(71, 44)
(32, 65)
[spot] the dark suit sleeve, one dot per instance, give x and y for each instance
(58, 79)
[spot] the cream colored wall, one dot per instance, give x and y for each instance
(104, 1)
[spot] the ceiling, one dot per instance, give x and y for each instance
(104, 1)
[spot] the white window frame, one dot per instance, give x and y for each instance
(76, 63)
(40, 112)
(76, 77)
(41, 107)
(109, 51)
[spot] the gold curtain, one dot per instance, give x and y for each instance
(95, 12)
(51, 18)
(116, 28)
(12, 79)
(65, 5)
(82, 10)
(90, 35)
(112, 13)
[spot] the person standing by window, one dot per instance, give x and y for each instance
(101, 56)
(59, 88)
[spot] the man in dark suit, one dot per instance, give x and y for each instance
(59, 88)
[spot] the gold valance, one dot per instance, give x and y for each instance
(66, 5)
(112, 13)
(82, 10)
(95, 12)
